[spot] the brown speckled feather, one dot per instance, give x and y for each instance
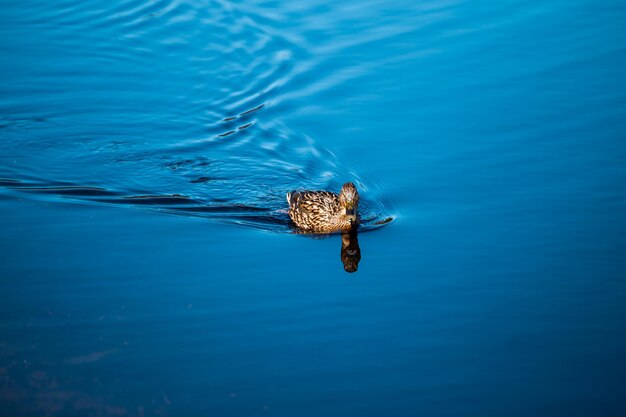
(317, 211)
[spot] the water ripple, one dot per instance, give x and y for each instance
(171, 105)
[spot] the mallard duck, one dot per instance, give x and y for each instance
(323, 211)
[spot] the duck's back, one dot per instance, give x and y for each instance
(314, 210)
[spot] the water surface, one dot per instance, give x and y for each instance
(147, 264)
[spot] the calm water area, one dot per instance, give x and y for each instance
(147, 263)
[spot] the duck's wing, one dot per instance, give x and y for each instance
(313, 200)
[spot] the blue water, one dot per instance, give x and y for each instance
(148, 266)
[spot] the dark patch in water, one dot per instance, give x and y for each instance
(245, 126)
(230, 132)
(176, 165)
(159, 199)
(243, 114)
(200, 180)
(255, 109)
(71, 191)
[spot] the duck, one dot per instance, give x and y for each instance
(324, 211)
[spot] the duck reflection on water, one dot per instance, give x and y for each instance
(350, 251)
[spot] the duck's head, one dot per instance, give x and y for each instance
(349, 200)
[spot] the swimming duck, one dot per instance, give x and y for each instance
(323, 211)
